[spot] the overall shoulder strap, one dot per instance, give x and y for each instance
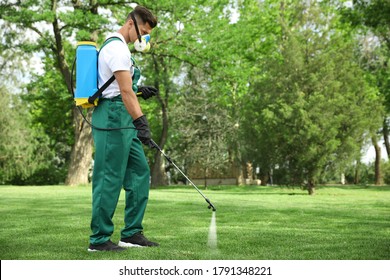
(99, 92)
(108, 40)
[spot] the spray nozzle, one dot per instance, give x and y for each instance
(210, 205)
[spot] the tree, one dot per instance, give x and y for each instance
(371, 21)
(202, 129)
(51, 112)
(179, 45)
(378, 156)
(52, 26)
(214, 86)
(23, 151)
(312, 104)
(57, 24)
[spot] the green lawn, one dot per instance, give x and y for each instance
(254, 223)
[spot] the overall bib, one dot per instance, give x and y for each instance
(119, 162)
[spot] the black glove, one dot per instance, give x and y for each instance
(146, 91)
(143, 134)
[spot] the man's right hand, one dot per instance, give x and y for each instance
(143, 134)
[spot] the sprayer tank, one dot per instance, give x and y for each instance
(86, 72)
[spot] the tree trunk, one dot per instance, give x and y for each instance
(240, 176)
(206, 175)
(159, 177)
(264, 179)
(158, 174)
(81, 155)
(386, 136)
(311, 186)
(378, 173)
(356, 179)
(240, 170)
(237, 167)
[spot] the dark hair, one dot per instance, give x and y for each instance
(144, 15)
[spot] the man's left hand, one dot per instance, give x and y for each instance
(147, 91)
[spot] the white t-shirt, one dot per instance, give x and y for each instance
(115, 56)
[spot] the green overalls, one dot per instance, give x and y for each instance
(119, 162)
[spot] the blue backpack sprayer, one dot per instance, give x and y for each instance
(87, 92)
(86, 75)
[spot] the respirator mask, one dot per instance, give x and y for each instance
(142, 44)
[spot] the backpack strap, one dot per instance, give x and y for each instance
(99, 92)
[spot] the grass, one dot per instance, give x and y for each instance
(253, 223)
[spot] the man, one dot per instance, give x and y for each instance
(119, 156)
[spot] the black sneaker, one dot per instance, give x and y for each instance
(106, 246)
(137, 240)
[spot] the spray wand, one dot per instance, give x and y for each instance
(210, 205)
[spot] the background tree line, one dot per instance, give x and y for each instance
(297, 88)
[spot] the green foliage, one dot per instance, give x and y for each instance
(181, 63)
(365, 173)
(277, 81)
(386, 172)
(372, 24)
(23, 149)
(203, 130)
(310, 106)
(48, 30)
(51, 107)
(373, 14)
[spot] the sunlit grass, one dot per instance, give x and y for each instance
(252, 223)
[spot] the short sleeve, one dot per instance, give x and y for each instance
(117, 56)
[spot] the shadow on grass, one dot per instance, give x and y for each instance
(274, 188)
(356, 187)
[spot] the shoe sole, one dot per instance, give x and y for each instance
(128, 245)
(95, 250)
